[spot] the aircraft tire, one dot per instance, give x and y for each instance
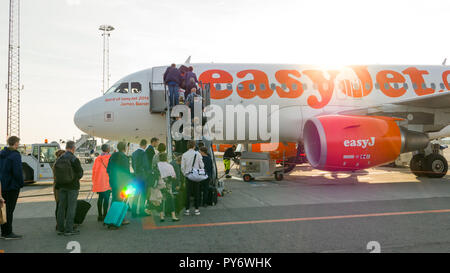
(417, 165)
(436, 166)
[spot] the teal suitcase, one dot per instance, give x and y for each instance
(116, 214)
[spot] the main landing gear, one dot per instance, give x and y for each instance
(433, 165)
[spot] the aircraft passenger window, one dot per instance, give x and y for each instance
(386, 86)
(229, 86)
(305, 86)
(415, 86)
(405, 85)
(218, 86)
(284, 86)
(122, 88)
(433, 86)
(252, 86)
(377, 86)
(136, 88)
(396, 85)
(262, 86)
(294, 86)
(424, 86)
(367, 86)
(240, 86)
(273, 86)
(442, 85)
(356, 86)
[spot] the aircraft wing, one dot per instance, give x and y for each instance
(435, 101)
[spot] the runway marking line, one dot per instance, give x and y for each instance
(151, 224)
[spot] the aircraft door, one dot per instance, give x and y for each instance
(157, 90)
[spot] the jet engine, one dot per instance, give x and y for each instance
(348, 143)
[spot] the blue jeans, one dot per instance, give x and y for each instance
(173, 93)
(66, 209)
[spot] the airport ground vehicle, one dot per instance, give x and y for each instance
(37, 164)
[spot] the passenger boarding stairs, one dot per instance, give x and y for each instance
(160, 103)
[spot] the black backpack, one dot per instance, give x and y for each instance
(64, 173)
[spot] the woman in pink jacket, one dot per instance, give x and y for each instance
(100, 182)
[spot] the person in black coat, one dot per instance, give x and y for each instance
(11, 178)
(67, 191)
(207, 161)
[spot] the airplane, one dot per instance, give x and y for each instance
(348, 118)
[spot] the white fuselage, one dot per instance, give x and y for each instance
(299, 91)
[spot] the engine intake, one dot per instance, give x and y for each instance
(347, 143)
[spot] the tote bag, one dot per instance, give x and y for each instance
(196, 175)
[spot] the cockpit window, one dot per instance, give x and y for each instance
(118, 88)
(136, 88)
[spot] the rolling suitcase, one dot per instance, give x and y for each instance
(116, 214)
(83, 207)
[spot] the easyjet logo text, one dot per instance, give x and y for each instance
(363, 143)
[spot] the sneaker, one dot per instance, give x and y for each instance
(13, 236)
(197, 212)
(187, 212)
(74, 232)
(125, 222)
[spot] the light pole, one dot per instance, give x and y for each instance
(106, 34)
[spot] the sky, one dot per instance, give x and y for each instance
(61, 46)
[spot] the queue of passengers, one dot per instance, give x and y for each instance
(161, 185)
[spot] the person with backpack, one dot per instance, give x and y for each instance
(100, 182)
(11, 178)
(68, 172)
(118, 170)
(190, 160)
(190, 79)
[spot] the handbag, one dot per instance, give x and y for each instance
(155, 196)
(3, 214)
(196, 175)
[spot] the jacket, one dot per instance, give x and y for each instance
(11, 175)
(140, 164)
(100, 178)
(229, 153)
(188, 158)
(77, 171)
(172, 74)
(150, 151)
(208, 166)
(118, 171)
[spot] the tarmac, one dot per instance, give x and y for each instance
(308, 211)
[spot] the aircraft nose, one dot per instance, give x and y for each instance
(82, 118)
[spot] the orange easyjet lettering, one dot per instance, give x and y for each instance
(325, 87)
(282, 77)
(217, 76)
(258, 86)
(445, 79)
(385, 78)
(417, 79)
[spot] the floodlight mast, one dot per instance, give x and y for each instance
(106, 34)
(13, 85)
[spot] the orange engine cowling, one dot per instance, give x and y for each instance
(347, 143)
